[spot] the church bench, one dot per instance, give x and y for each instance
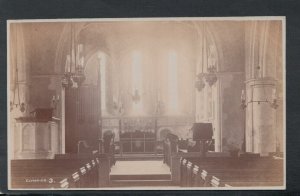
(48, 175)
(89, 175)
(225, 169)
(64, 183)
(251, 183)
(183, 173)
(229, 162)
(246, 178)
(250, 178)
(214, 160)
(217, 182)
(103, 162)
(58, 173)
(39, 174)
(175, 159)
(170, 147)
(234, 178)
(76, 182)
(189, 167)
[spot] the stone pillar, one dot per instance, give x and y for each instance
(263, 71)
(63, 121)
(260, 116)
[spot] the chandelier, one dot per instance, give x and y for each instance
(17, 103)
(210, 77)
(17, 88)
(118, 106)
(74, 67)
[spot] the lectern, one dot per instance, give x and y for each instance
(202, 133)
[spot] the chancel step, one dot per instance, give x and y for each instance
(140, 173)
(138, 157)
(144, 183)
(141, 177)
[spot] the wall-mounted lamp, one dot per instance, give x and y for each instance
(118, 106)
(272, 103)
(54, 101)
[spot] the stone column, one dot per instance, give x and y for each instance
(260, 116)
(263, 84)
(63, 121)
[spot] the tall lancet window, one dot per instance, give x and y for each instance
(103, 62)
(172, 83)
(137, 83)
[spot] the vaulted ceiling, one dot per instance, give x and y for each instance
(46, 44)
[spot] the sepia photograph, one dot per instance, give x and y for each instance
(193, 103)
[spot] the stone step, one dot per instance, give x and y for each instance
(141, 177)
(138, 157)
(144, 183)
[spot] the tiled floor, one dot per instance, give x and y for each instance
(139, 167)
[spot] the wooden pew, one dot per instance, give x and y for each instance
(233, 172)
(103, 164)
(218, 182)
(250, 170)
(236, 163)
(175, 163)
(62, 172)
(64, 183)
(40, 173)
(189, 169)
(170, 147)
(245, 177)
(183, 173)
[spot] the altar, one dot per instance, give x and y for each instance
(138, 135)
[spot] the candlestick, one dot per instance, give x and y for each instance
(243, 97)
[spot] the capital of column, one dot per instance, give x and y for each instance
(261, 81)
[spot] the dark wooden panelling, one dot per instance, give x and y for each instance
(82, 117)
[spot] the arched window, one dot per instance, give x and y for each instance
(103, 73)
(172, 83)
(137, 83)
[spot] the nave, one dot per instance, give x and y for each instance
(154, 104)
(175, 168)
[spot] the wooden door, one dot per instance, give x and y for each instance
(82, 117)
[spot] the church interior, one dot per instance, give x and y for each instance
(116, 104)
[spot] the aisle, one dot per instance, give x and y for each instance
(140, 173)
(140, 167)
